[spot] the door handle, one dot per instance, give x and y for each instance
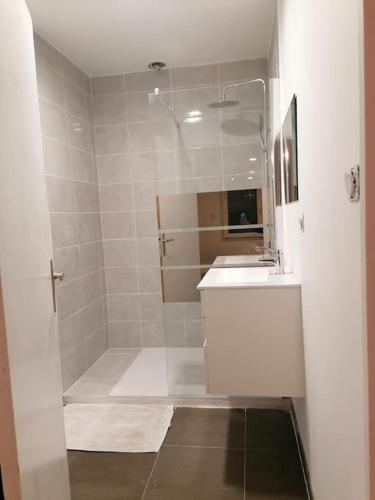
(54, 277)
(353, 183)
(164, 242)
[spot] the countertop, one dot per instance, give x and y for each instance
(246, 277)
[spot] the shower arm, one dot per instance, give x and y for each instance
(263, 125)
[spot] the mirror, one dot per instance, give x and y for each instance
(290, 158)
(194, 229)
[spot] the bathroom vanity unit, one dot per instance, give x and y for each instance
(252, 326)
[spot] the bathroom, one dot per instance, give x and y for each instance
(186, 181)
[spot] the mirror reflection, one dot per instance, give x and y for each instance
(194, 229)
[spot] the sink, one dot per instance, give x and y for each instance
(234, 276)
(242, 275)
(240, 261)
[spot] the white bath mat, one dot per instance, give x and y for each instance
(116, 427)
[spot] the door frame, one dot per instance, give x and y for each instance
(369, 110)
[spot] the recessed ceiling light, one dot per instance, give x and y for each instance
(250, 178)
(253, 159)
(156, 65)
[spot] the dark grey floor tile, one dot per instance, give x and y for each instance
(197, 474)
(109, 476)
(269, 430)
(274, 475)
(207, 427)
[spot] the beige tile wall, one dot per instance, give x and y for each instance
(141, 153)
(73, 193)
(109, 149)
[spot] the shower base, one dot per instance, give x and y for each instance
(144, 372)
(156, 376)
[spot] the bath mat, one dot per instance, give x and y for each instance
(116, 427)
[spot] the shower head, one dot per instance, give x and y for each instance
(223, 104)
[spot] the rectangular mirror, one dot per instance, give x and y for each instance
(194, 229)
(290, 157)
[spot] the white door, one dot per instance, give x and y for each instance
(25, 248)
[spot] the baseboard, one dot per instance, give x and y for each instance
(302, 454)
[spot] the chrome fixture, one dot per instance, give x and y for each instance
(223, 104)
(156, 65)
(274, 256)
(353, 183)
(301, 222)
(54, 277)
(226, 103)
(163, 240)
(263, 129)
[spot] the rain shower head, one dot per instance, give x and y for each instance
(223, 104)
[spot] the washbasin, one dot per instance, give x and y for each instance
(241, 261)
(242, 275)
(234, 276)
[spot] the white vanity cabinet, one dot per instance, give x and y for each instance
(253, 335)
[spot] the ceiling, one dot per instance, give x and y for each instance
(122, 36)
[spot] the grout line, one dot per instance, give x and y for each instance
(82, 344)
(98, 299)
(78, 245)
(201, 446)
(78, 278)
(58, 141)
(71, 179)
(61, 71)
(64, 108)
(149, 478)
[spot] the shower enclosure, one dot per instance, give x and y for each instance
(182, 177)
(224, 206)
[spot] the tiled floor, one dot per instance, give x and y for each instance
(144, 372)
(208, 454)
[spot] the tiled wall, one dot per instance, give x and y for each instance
(140, 153)
(107, 156)
(73, 193)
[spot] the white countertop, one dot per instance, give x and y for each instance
(240, 261)
(246, 277)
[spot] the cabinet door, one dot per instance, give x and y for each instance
(254, 342)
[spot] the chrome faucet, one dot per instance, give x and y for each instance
(272, 255)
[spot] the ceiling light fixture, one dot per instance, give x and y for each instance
(156, 65)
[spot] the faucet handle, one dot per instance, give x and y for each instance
(280, 262)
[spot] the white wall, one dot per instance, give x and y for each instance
(320, 62)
